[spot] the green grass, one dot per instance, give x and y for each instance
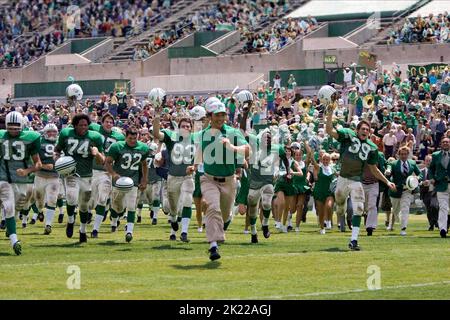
(286, 266)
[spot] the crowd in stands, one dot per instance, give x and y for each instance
(39, 20)
(244, 16)
(431, 29)
(281, 34)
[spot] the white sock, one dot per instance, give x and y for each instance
(253, 228)
(173, 218)
(13, 238)
(130, 227)
(355, 233)
(83, 227)
(212, 244)
(49, 217)
(34, 216)
(155, 212)
(185, 224)
(24, 219)
(97, 222)
(265, 222)
(139, 211)
(61, 210)
(71, 219)
(172, 232)
(114, 222)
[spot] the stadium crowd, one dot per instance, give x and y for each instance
(431, 29)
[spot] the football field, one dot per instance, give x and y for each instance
(303, 265)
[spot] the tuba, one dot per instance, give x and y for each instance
(368, 102)
(305, 104)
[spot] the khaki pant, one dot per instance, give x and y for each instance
(23, 194)
(371, 192)
(124, 200)
(344, 188)
(151, 193)
(402, 205)
(265, 194)
(46, 191)
(78, 192)
(101, 188)
(179, 192)
(7, 199)
(443, 199)
(219, 199)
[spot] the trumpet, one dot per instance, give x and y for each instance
(368, 102)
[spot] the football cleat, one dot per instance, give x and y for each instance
(139, 219)
(353, 245)
(24, 225)
(266, 232)
(172, 237)
(174, 226)
(94, 234)
(214, 253)
(113, 229)
(48, 230)
(41, 217)
(83, 237)
(184, 237)
(128, 237)
(3, 225)
(154, 222)
(443, 233)
(17, 247)
(33, 221)
(254, 238)
(369, 231)
(69, 230)
(60, 218)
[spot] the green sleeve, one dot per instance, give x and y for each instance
(373, 157)
(98, 141)
(94, 127)
(36, 145)
(114, 151)
(281, 152)
(62, 140)
(344, 134)
(168, 136)
(432, 167)
(381, 162)
(417, 171)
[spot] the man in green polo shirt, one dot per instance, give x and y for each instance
(221, 148)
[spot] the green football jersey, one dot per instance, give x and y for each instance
(15, 153)
(152, 175)
(110, 138)
(263, 163)
(127, 160)
(181, 152)
(46, 153)
(218, 160)
(79, 147)
(355, 153)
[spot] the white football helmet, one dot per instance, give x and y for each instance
(325, 94)
(15, 119)
(244, 96)
(198, 113)
(156, 96)
(209, 102)
(50, 132)
(74, 91)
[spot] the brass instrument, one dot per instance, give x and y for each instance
(368, 102)
(305, 104)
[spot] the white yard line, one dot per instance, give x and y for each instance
(323, 293)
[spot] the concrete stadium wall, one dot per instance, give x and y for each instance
(64, 49)
(197, 83)
(65, 59)
(225, 42)
(99, 50)
(362, 34)
(185, 42)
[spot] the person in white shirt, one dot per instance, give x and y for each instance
(348, 75)
(389, 141)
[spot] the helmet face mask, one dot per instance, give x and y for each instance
(14, 123)
(50, 132)
(74, 92)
